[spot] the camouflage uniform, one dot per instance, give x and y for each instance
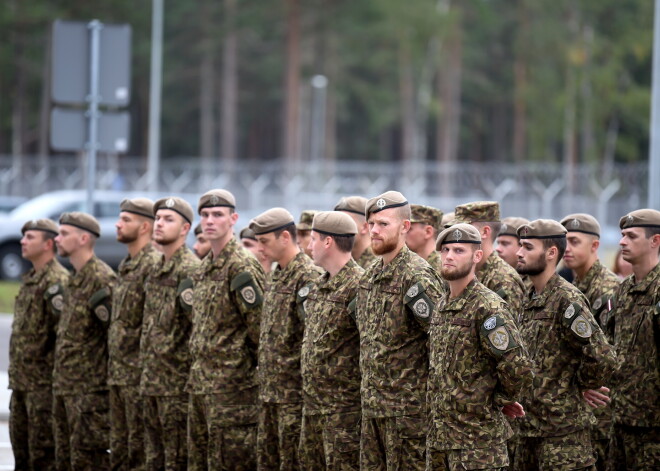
(165, 356)
(367, 258)
(330, 437)
(222, 409)
(476, 355)
(126, 424)
(599, 286)
(394, 303)
(571, 354)
(635, 326)
(80, 403)
(280, 382)
(504, 280)
(435, 261)
(31, 354)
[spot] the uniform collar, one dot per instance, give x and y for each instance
(650, 279)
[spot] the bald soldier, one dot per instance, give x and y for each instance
(280, 338)
(166, 327)
(304, 229)
(134, 228)
(424, 229)
(80, 389)
(32, 347)
(354, 207)
(397, 296)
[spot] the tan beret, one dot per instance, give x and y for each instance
(641, 218)
(306, 219)
(352, 204)
(542, 229)
(426, 215)
(334, 223)
(198, 229)
(460, 233)
(510, 226)
(272, 220)
(83, 221)
(448, 219)
(389, 199)
(140, 206)
(478, 211)
(176, 204)
(247, 233)
(215, 198)
(581, 222)
(45, 225)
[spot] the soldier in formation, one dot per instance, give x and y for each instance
(354, 207)
(424, 229)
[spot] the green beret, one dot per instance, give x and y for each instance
(83, 221)
(352, 204)
(581, 222)
(389, 199)
(247, 233)
(641, 218)
(45, 225)
(272, 220)
(448, 220)
(216, 198)
(334, 223)
(510, 226)
(542, 229)
(176, 204)
(426, 215)
(140, 206)
(306, 218)
(198, 229)
(478, 211)
(460, 233)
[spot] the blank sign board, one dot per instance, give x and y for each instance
(69, 130)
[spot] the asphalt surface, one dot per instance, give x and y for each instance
(6, 456)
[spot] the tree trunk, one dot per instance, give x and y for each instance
(206, 85)
(587, 135)
(229, 90)
(407, 102)
(44, 108)
(292, 85)
(520, 86)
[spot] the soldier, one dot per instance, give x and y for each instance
(354, 207)
(222, 410)
(330, 436)
(508, 244)
(280, 382)
(80, 404)
(166, 329)
(424, 229)
(397, 295)
(478, 364)
(570, 352)
(249, 242)
(635, 326)
(32, 347)
(492, 271)
(202, 246)
(134, 228)
(448, 219)
(303, 230)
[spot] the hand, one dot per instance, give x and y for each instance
(596, 397)
(513, 410)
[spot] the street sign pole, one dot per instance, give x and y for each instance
(95, 27)
(153, 160)
(654, 154)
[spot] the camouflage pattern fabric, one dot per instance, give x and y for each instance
(635, 448)
(165, 421)
(427, 215)
(476, 211)
(491, 458)
(476, 355)
(367, 258)
(572, 451)
(278, 436)
(504, 280)
(435, 261)
(393, 443)
(126, 428)
(31, 430)
(330, 442)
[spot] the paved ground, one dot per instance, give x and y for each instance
(6, 456)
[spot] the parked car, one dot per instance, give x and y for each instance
(9, 203)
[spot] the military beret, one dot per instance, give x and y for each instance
(389, 199)
(306, 218)
(198, 229)
(427, 215)
(334, 223)
(641, 218)
(215, 198)
(510, 226)
(460, 233)
(140, 206)
(83, 221)
(478, 211)
(272, 220)
(448, 219)
(542, 229)
(247, 233)
(176, 204)
(581, 222)
(352, 204)
(45, 225)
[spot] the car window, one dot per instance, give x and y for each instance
(106, 209)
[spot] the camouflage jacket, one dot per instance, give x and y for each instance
(435, 261)
(166, 325)
(81, 351)
(126, 321)
(635, 326)
(282, 330)
(476, 355)
(331, 344)
(367, 258)
(394, 305)
(504, 280)
(225, 326)
(32, 343)
(599, 286)
(570, 354)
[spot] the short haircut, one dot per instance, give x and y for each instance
(651, 231)
(404, 212)
(343, 243)
(559, 242)
(291, 229)
(495, 227)
(46, 236)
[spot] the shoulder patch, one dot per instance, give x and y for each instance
(247, 289)
(571, 310)
(301, 301)
(499, 338)
(100, 303)
(581, 327)
(598, 303)
(102, 312)
(490, 323)
(55, 296)
(419, 303)
(186, 294)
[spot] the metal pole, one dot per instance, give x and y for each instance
(654, 155)
(153, 160)
(95, 27)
